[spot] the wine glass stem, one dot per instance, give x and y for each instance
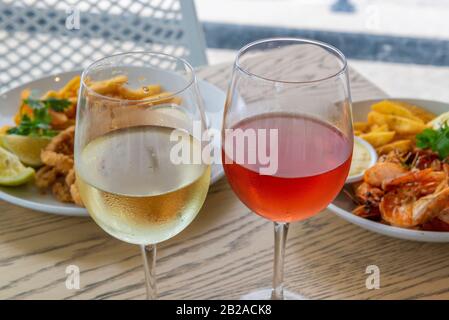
(280, 237)
(149, 265)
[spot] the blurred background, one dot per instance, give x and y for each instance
(400, 45)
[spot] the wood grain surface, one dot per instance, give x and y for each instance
(226, 252)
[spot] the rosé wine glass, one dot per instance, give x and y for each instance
(287, 135)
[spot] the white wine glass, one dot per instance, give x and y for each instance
(134, 110)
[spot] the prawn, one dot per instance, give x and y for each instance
(414, 198)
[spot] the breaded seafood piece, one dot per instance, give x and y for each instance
(59, 152)
(46, 176)
(61, 191)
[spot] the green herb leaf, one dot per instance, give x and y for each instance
(55, 104)
(34, 103)
(58, 105)
(39, 124)
(426, 139)
(436, 140)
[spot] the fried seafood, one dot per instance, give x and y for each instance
(63, 142)
(59, 152)
(70, 180)
(444, 216)
(58, 172)
(70, 177)
(61, 191)
(76, 197)
(387, 167)
(383, 171)
(422, 196)
(45, 177)
(61, 162)
(409, 191)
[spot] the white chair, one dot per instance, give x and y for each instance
(42, 37)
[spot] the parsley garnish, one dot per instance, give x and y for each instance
(55, 104)
(436, 140)
(39, 123)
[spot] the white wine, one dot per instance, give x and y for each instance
(134, 191)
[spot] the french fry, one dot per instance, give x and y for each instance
(395, 109)
(377, 139)
(24, 108)
(375, 117)
(164, 97)
(108, 86)
(140, 93)
(401, 125)
(400, 145)
(73, 100)
(51, 94)
(71, 87)
(379, 128)
(361, 126)
(419, 112)
(4, 129)
(357, 132)
(67, 94)
(25, 94)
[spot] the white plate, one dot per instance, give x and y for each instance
(342, 205)
(28, 196)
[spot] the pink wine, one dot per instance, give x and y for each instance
(313, 162)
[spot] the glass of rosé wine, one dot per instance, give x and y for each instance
(287, 135)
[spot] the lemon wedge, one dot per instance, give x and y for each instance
(3, 132)
(12, 171)
(439, 121)
(28, 149)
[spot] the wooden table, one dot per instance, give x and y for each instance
(226, 252)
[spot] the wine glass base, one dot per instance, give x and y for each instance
(265, 294)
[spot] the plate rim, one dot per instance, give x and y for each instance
(387, 230)
(42, 207)
(74, 210)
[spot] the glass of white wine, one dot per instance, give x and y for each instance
(138, 138)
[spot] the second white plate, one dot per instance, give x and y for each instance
(343, 206)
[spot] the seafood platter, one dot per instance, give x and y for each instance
(398, 183)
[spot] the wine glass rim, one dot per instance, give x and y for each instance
(318, 43)
(191, 81)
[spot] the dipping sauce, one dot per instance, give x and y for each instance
(361, 159)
